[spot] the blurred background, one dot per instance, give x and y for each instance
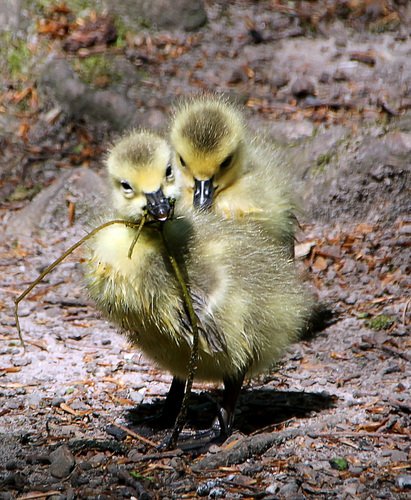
(314, 76)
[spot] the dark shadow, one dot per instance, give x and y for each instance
(322, 316)
(256, 409)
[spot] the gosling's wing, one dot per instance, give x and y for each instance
(182, 236)
(210, 335)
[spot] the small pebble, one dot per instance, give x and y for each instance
(302, 87)
(217, 493)
(403, 481)
(116, 432)
(62, 462)
(204, 489)
(57, 402)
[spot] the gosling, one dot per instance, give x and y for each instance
(249, 304)
(224, 168)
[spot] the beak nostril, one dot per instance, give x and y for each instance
(158, 206)
(203, 194)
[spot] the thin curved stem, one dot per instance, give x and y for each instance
(61, 258)
(192, 366)
(140, 227)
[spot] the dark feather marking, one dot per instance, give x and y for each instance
(207, 130)
(207, 327)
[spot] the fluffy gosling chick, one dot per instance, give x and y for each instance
(248, 302)
(224, 168)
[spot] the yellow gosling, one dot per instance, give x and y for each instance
(224, 167)
(249, 303)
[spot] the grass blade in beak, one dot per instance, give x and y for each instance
(140, 227)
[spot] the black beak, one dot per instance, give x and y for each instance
(203, 194)
(158, 206)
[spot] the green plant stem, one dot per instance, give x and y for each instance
(192, 366)
(140, 227)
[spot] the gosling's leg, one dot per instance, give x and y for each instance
(174, 399)
(224, 421)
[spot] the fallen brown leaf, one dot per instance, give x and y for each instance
(304, 249)
(65, 407)
(320, 264)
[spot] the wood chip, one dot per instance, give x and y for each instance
(39, 494)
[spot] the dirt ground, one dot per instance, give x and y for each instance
(332, 420)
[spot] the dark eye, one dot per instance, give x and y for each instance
(226, 162)
(183, 163)
(169, 172)
(126, 186)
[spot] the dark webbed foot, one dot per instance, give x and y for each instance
(221, 427)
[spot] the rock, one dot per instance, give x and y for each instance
(97, 460)
(289, 490)
(34, 399)
(272, 488)
(280, 80)
(13, 464)
(78, 479)
(398, 142)
(188, 15)
(398, 456)
(78, 100)
(355, 470)
(284, 132)
(403, 481)
(15, 481)
(62, 462)
(340, 76)
(204, 489)
(350, 487)
(324, 77)
(237, 76)
(116, 432)
(217, 493)
(36, 458)
(48, 210)
(362, 177)
(302, 87)
(22, 361)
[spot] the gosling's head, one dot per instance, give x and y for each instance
(208, 136)
(142, 176)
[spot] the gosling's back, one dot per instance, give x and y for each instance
(244, 290)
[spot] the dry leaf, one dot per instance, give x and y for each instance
(65, 407)
(371, 426)
(320, 264)
(304, 249)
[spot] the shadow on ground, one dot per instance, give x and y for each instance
(257, 409)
